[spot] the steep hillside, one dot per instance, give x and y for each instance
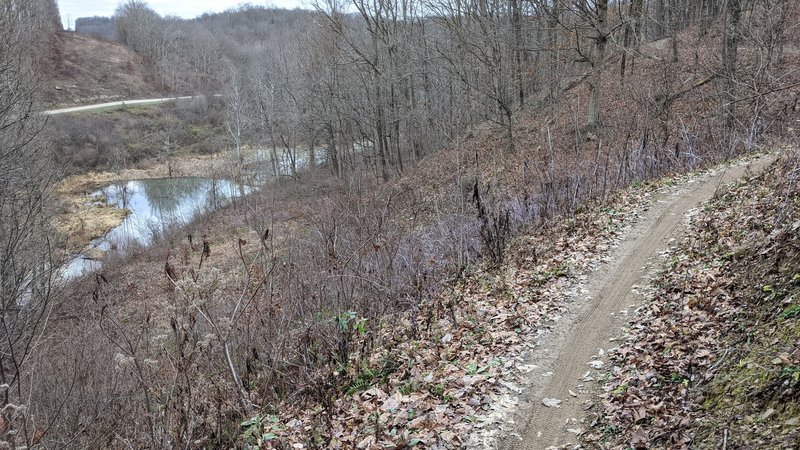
(351, 311)
(83, 69)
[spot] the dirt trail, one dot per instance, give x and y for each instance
(562, 356)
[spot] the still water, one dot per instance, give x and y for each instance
(154, 205)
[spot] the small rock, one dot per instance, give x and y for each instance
(596, 364)
(551, 402)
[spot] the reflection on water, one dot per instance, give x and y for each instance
(154, 205)
(268, 163)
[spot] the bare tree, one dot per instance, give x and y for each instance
(237, 119)
(27, 243)
(482, 54)
(598, 17)
(631, 37)
(169, 145)
(137, 27)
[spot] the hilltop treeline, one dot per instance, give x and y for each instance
(99, 26)
(386, 83)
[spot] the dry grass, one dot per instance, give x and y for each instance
(85, 69)
(83, 219)
(183, 166)
(377, 249)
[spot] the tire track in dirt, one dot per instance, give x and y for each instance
(562, 355)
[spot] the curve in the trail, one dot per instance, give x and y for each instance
(567, 351)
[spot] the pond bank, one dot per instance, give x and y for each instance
(150, 208)
(85, 217)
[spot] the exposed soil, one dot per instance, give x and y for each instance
(562, 357)
(712, 360)
(85, 69)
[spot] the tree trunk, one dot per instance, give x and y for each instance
(631, 36)
(658, 19)
(598, 56)
(555, 53)
(729, 52)
(516, 29)
(333, 152)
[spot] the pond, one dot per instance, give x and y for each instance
(154, 205)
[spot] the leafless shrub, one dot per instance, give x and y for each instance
(495, 227)
(179, 360)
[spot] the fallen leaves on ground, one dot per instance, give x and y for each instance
(712, 358)
(448, 375)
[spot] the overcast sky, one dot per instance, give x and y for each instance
(73, 9)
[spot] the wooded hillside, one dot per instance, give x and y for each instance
(451, 168)
(387, 83)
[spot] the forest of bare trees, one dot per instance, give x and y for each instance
(386, 83)
(577, 97)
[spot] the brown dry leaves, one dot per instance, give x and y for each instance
(447, 375)
(711, 309)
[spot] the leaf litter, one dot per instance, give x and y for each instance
(713, 358)
(455, 383)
